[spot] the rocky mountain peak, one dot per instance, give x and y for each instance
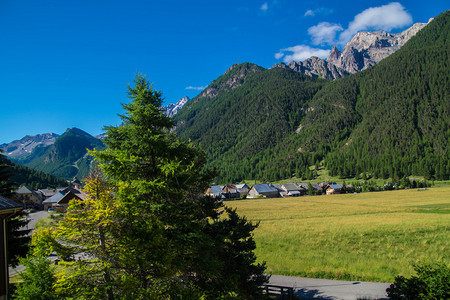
(368, 48)
(171, 109)
(232, 78)
(333, 55)
(27, 144)
(365, 49)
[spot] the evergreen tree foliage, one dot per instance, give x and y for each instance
(247, 131)
(38, 279)
(18, 239)
(170, 241)
(431, 282)
(19, 175)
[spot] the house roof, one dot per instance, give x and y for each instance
(70, 196)
(7, 205)
(216, 190)
(55, 198)
(335, 186)
(229, 188)
(316, 186)
(24, 190)
(242, 186)
(290, 187)
(69, 189)
(264, 188)
(47, 192)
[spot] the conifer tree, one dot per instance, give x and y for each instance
(171, 239)
(17, 234)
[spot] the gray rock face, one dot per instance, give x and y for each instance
(172, 108)
(27, 144)
(369, 48)
(317, 67)
(363, 51)
(231, 79)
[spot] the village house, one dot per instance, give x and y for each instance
(60, 201)
(27, 196)
(292, 190)
(46, 193)
(333, 188)
(243, 189)
(63, 203)
(52, 202)
(230, 191)
(263, 190)
(214, 191)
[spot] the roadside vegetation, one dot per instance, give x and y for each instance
(368, 236)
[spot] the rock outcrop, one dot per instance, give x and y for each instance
(364, 50)
(27, 144)
(172, 108)
(369, 48)
(232, 78)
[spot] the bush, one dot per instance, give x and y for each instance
(431, 282)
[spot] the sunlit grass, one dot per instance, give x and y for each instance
(369, 236)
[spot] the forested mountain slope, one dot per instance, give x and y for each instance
(390, 120)
(239, 127)
(393, 119)
(24, 175)
(67, 157)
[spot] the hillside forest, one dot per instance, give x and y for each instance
(388, 121)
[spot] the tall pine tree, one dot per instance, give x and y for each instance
(166, 239)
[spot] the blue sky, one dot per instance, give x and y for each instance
(66, 63)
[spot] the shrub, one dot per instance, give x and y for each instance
(431, 282)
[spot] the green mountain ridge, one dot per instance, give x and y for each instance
(67, 157)
(390, 120)
(24, 175)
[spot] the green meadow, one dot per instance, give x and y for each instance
(369, 236)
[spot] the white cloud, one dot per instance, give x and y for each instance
(309, 12)
(324, 33)
(300, 53)
(386, 17)
(264, 7)
(318, 11)
(279, 55)
(197, 88)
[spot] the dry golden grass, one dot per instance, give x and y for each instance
(369, 236)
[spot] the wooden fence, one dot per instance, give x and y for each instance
(284, 292)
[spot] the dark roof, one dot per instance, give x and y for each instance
(303, 184)
(24, 190)
(290, 187)
(242, 186)
(229, 188)
(316, 186)
(55, 198)
(7, 205)
(47, 192)
(264, 188)
(69, 196)
(216, 190)
(69, 189)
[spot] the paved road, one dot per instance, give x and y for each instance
(310, 288)
(34, 217)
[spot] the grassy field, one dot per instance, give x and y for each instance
(369, 236)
